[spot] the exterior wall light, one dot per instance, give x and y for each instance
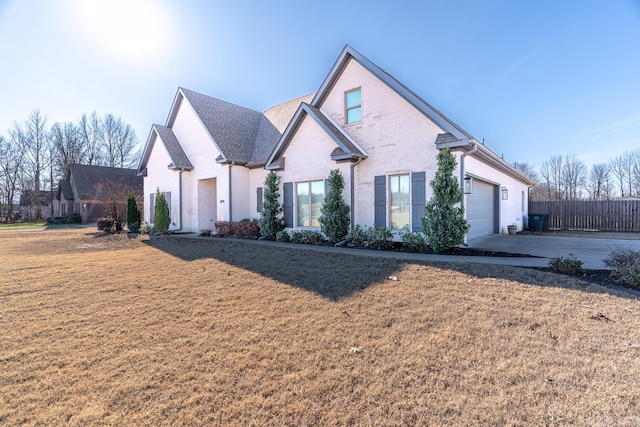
(468, 184)
(505, 193)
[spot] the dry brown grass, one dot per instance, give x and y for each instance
(179, 331)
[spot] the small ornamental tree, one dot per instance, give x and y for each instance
(270, 221)
(334, 219)
(161, 213)
(444, 222)
(133, 214)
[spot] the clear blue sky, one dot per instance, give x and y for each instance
(531, 78)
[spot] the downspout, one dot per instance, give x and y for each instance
(474, 148)
(180, 199)
(230, 197)
(353, 196)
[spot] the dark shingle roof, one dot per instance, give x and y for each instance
(85, 178)
(233, 128)
(179, 159)
(241, 134)
(65, 188)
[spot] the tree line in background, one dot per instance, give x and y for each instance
(569, 178)
(34, 156)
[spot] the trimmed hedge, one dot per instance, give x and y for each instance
(238, 229)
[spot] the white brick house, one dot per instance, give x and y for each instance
(212, 157)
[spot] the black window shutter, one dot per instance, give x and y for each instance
(287, 205)
(418, 200)
(380, 200)
(259, 199)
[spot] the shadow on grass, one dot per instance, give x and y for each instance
(336, 275)
(331, 275)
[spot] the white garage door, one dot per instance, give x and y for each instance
(480, 207)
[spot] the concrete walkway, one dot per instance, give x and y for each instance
(590, 250)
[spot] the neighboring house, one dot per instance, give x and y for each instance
(80, 190)
(36, 205)
(211, 157)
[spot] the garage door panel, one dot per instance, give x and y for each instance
(480, 207)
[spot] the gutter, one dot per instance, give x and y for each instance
(353, 196)
(231, 164)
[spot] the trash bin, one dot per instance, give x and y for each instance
(537, 221)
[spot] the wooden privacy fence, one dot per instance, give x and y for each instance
(613, 215)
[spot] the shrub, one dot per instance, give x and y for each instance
(144, 227)
(283, 236)
(625, 264)
(161, 213)
(238, 230)
(75, 218)
(415, 241)
(444, 222)
(378, 237)
(105, 224)
(568, 265)
(334, 219)
(357, 236)
(270, 221)
(309, 237)
(133, 214)
(206, 232)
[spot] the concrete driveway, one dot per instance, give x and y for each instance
(587, 247)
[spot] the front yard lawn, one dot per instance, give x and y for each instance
(169, 330)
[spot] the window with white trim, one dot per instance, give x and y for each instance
(353, 106)
(399, 201)
(309, 198)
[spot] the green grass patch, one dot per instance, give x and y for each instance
(22, 226)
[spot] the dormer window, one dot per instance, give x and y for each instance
(353, 106)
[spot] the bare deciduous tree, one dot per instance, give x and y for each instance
(119, 141)
(67, 145)
(551, 172)
(573, 177)
(599, 184)
(113, 197)
(90, 129)
(11, 156)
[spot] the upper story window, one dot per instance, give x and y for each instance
(353, 106)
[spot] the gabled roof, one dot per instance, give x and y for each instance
(233, 128)
(64, 189)
(348, 53)
(85, 178)
(453, 135)
(240, 135)
(179, 159)
(346, 148)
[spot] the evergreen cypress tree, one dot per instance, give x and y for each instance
(334, 219)
(133, 214)
(444, 222)
(161, 213)
(270, 221)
